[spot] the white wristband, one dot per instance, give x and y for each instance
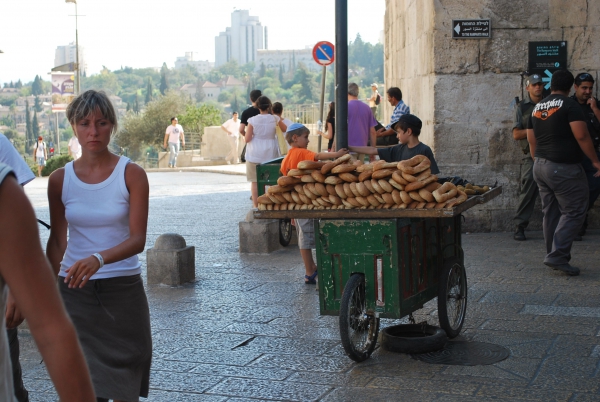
(100, 259)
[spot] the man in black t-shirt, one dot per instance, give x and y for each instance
(584, 85)
(250, 112)
(559, 140)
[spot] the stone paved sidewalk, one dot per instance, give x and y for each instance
(249, 329)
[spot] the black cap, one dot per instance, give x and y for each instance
(410, 119)
(534, 79)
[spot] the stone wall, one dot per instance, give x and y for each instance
(462, 89)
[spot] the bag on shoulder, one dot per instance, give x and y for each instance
(378, 99)
(283, 148)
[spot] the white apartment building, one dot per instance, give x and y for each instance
(241, 40)
(191, 59)
(68, 54)
(287, 59)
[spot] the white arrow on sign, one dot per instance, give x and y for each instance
(457, 28)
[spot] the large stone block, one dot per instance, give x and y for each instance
(583, 48)
(454, 56)
(531, 14)
(170, 261)
(568, 13)
(260, 236)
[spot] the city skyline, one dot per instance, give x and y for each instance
(146, 34)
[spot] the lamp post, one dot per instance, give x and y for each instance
(78, 77)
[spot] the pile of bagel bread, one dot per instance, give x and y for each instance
(348, 184)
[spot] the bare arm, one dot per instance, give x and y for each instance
(519, 133)
(282, 125)
(249, 133)
(57, 242)
(224, 129)
(242, 129)
(137, 184)
(373, 136)
(581, 134)
(364, 150)
(327, 134)
(165, 141)
(532, 142)
(331, 155)
(182, 138)
(23, 266)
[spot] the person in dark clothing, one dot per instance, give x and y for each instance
(250, 112)
(528, 191)
(584, 85)
(329, 132)
(559, 141)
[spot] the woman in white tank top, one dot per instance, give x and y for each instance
(101, 200)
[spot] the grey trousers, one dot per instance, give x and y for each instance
(528, 193)
(13, 341)
(564, 193)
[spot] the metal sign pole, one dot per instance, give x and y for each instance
(341, 74)
(57, 135)
(324, 125)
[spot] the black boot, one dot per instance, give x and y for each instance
(520, 234)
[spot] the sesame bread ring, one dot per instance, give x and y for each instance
(376, 186)
(422, 178)
(318, 176)
(431, 187)
(396, 197)
(426, 195)
(321, 189)
(299, 188)
(373, 201)
(421, 205)
(369, 186)
(278, 189)
(384, 165)
(412, 205)
(347, 190)
(330, 189)
(445, 192)
(397, 176)
(339, 191)
(414, 165)
(405, 197)
(311, 188)
(462, 197)
(333, 180)
(362, 189)
(298, 172)
(402, 206)
(288, 196)
(388, 199)
(365, 168)
(326, 168)
(264, 199)
(385, 185)
(321, 201)
(396, 185)
(262, 207)
(335, 200)
(379, 198)
(354, 190)
(343, 168)
(303, 207)
(415, 196)
(296, 197)
(388, 206)
(415, 185)
(310, 165)
(316, 203)
(307, 179)
(304, 199)
(348, 205)
(365, 175)
(380, 174)
(363, 201)
(354, 202)
(269, 207)
(430, 205)
(349, 177)
(287, 181)
(276, 200)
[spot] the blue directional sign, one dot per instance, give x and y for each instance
(324, 53)
(545, 58)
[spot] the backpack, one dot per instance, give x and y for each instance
(377, 100)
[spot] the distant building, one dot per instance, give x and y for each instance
(286, 59)
(68, 54)
(191, 59)
(242, 40)
(212, 91)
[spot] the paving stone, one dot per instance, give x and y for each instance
(261, 329)
(172, 366)
(238, 371)
(274, 345)
(535, 326)
(533, 394)
(337, 380)
(562, 311)
(168, 381)
(212, 341)
(217, 357)
(166, 396)
(412, 384)
(304, 363)
(269, 390)
(352, 394)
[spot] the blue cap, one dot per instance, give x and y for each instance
(294, 126)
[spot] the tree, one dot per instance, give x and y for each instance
(196, 118)
(106, 81)
(306, 79)
(19, 84)
(136, 104)
(263, 70)
(164, 85)
(35, 127)
(36, 87)
(281, 73)
(149, 90)
(28, 127)
(37, 106)
(200, 95)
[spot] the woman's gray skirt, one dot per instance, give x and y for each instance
(112, 320)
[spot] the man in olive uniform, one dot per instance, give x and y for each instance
(528, 187)
(584, 85)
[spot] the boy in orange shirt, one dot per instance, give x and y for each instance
(297, 136)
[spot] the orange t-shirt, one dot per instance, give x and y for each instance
(294, 156)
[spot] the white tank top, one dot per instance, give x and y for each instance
(98, 218)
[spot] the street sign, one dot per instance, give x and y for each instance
(324, 53)
(547, 57)
(471, 29)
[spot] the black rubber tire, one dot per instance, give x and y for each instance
(358, 330)
(413, 338)
(285, 232)
(452, 297)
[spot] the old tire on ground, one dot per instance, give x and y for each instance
(358, 330)
(413, 338)
(452, 297)
(285, 232)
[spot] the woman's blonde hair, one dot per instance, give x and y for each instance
(88, 103)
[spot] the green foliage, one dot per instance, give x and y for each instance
(56, 162)
(164, 84)
(10, 133)
(366, 60)
(37, 105)
(36, 87)
(149, 90)
(7, 121)
(35, 127)
(196, 118)
(28, 127)
(106, 81)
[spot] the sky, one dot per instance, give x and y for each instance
(146, 33)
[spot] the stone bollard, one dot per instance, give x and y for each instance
(170, 261)
(260, 236)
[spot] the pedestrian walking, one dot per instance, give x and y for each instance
(232, 128)
(173, 136)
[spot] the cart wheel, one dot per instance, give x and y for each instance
(452, 297)
(285, 231)
(358, 329)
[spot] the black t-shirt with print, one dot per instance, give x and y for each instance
(248, 113)
(591, 120)
(550, 121)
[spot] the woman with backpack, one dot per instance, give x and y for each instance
(374, 100)
(40, 154)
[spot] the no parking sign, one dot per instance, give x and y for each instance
(324, 53)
